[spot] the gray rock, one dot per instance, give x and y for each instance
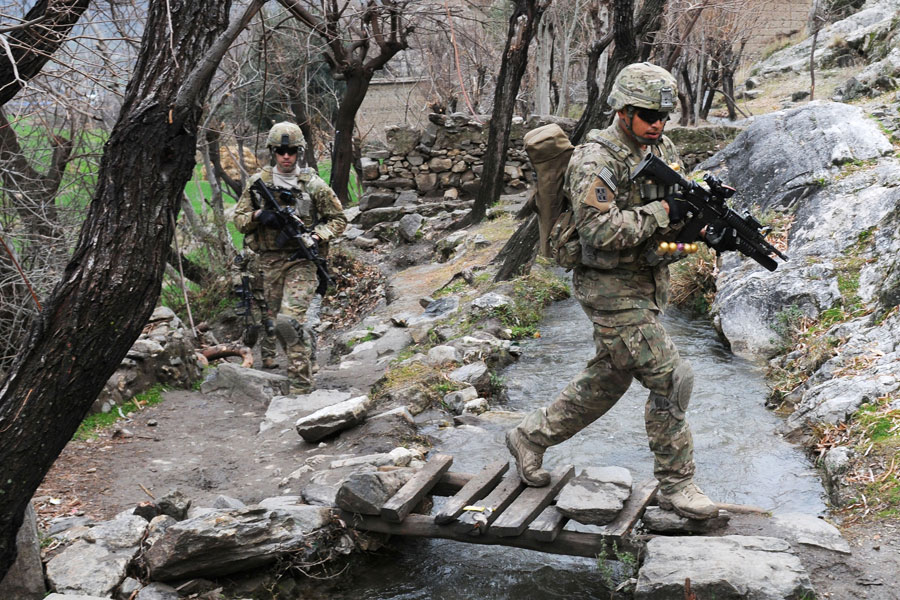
(128, 587)
(837, 461)
(491, 301)
(811, 531)
(158, 591)
(402, 139)
(307, 518)
(289, 408)
(455, 402)
(25, 579)
(366, 492)
(734, 566)
(175, 504)
(222, 543)
(476, 406)
(332, 419)
(658, 520)
(228, 503)
(97, 563)
(56, 596)
(234, 381)
(439, 309)
(475, 374)
(410, 225)
(596, 495)
(440, 355)
(377, 200)
(369, 168)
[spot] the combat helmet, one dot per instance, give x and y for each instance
(285, 134)
(644, 85)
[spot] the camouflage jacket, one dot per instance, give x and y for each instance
(314, 201)
(618, 226)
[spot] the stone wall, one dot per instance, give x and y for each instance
(780, 20)
(443, 160)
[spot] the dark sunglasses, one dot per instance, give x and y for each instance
(652, 116)
(289, 150)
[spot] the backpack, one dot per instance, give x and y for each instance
(549, 150)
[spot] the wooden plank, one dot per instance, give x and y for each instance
(570, 543)
(477, 488)
(475, 523)
(450, 483)
(547, 525)
(407, 497)
(634, 507)
(530, 503)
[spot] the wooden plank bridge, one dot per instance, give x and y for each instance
(495, 507)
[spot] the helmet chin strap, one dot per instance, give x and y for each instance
(644, 141)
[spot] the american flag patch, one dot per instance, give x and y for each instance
(609, 179)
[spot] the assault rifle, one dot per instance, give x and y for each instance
(708, 209)
(244, 291)
(291, 227)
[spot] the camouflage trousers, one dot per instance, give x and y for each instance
(288, 287)
(645, 352)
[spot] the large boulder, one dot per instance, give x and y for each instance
(726, 568)
(332, 419)
(25, 579)
(786, 161)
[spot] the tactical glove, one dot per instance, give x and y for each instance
(678, 209)
(269, 218)
(721, 237)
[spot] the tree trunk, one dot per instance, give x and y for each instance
(522, 23)
(543, 65)
(518, 251)
(32, 46)
(344, 124)
(111, 285)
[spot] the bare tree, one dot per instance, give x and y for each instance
(350, 30)
(112, 282)
(523, 22)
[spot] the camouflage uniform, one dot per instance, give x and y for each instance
(622, 285)
(289, 285)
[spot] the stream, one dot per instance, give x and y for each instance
(740, 459)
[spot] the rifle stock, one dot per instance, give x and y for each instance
(707, 206)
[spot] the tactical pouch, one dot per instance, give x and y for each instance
(565, 246)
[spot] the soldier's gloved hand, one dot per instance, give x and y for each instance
(721, 237)
(678, 209)
(269, 218)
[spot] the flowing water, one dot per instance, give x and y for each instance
(740, 459)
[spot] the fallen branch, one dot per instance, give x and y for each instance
(231, 349)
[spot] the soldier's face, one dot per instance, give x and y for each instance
(286, 158)
(649, 131)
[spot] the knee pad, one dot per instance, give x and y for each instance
(682, 386)
(288, 331)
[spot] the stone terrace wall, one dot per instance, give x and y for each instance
(445, 160)
(781, 19)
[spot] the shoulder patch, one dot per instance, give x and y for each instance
(599, 196)
(609, 179)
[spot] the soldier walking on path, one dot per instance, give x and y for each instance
(289, 283)
(622, 284)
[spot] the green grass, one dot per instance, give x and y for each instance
(352, 188)
(97, 422)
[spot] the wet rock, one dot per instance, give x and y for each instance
(332, 419)
(439, 309)
(25, 579)
(733, 566)
(234, 381)
(658, 520)
(811, 531)
(455, 402)
(222, 543)
(366, 493)
(596, 495)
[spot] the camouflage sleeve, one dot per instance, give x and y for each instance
(243, 212)
(599, 202)
(332, 221)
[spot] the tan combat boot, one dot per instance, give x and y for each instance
(689, 502)
(528, 459)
